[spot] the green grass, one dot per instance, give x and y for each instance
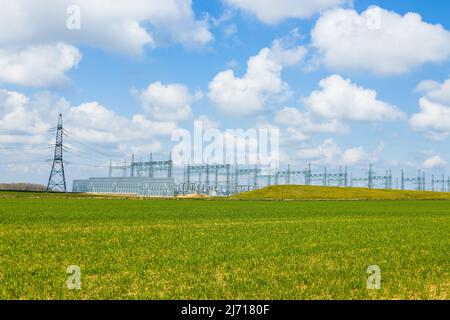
(194, 249)
(296, 192)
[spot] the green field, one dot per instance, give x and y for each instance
(222, 249)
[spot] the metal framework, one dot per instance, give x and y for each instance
(326, 178)
(286, 176)
(141, 168)
(419, 181)
(246, 179)
(57, 178)
(443, 182)
(207, 179)
(156, 178)
(373, 180)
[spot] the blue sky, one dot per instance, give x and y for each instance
(104, 74)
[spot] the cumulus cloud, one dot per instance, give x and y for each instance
(207, 122)
(329, 153)
(434, 162)
(95, 123)
(26, 120)
(247, 95)
(339, 98)
(166, 102)
(378, 41)
(354, 156)
(299, 124)
(272, 12)
(294, 117)
(38, 66)
(435, 91)
(325, 153)
(426, 86)
(116, 25)
(433, 119)
(37, 46)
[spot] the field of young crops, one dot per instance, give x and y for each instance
(213, 249)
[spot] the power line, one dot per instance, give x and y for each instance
(76, 164)
(92, 148)
(86, 155)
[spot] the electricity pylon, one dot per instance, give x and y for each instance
(57, 179)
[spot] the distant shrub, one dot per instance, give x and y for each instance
(21, 187)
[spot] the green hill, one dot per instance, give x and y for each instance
(296, 192)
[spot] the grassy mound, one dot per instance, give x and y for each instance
(295, 192)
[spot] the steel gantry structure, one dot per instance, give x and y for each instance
(157, 178)
(442, 181)
(143, 168)
(223, 179)
(419, 181)
(209, 178)
(326, 178)
(372, 180)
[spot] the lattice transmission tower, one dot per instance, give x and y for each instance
(57, 179)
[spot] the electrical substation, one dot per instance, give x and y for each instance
(159, 177)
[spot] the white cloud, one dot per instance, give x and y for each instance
(116, 25)
(26, 120)
(97, 124)
(433, 119)
(230, 30)
(226, 16)
(354, 156)
(232, 64)
(378, 41)
(247, 95)
(329, 153)
(286, 51)
(37, 47)
(435, 91)
(293, 117)
(207, 123)
(434, 162)
(141, 149)
(339, 98)
(299, 125)
(434, 116)
(293, 134)
(272, 12)
(167, 102)
(38, 66)
(326, 153)
(23, 120)
(427, 85)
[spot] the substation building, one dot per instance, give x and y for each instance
(146, 178)
(161, 187)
